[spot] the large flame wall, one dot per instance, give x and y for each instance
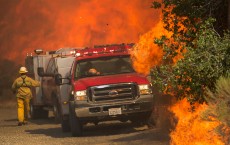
(29, 24)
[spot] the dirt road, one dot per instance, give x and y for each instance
(46, 132)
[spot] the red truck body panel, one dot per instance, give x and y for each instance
(84, 83)
(85, 57)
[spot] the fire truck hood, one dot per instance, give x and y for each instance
(84, 83)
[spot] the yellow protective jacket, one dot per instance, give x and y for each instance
(22, 86)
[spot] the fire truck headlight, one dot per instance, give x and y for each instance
(78, 54)
(80, 95)
(145, 89)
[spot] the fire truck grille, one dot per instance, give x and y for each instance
(113, 92)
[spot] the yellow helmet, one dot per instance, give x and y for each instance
(23, 70)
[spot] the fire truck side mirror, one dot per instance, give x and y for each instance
(41, 71)
(58, 79)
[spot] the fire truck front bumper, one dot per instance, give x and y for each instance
(111, 111)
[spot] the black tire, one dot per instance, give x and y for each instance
(33, 112)
(142, 119)
(37, 112)
(123, 120)
(65, 125)
(56, 111)
(44, 114)
(154, 119)
(75, 124)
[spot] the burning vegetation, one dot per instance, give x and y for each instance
(196, 123)
(206, 123)
(192, 59)
(191, 128)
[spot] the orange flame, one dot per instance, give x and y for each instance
(26, 25)
(191, 129)
(146, 54)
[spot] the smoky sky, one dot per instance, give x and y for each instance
(52, 24)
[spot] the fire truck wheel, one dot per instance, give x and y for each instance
(65, 125)
(123, 120)
(37, 112)
(33, 112)
(141, 119)
(76, 127)
(44, 114)
(75, 124)
(56, 110)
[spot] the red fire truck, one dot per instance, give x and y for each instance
(93, 85)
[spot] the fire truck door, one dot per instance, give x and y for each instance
(64, 68)
(49, 82)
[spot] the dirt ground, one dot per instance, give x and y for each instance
(46, 132)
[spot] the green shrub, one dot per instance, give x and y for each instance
(219, 106)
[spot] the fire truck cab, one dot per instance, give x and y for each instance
(104, 86)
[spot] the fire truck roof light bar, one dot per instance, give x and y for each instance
(109, 45)
(38, 51)
(63, 52)
(103, 49)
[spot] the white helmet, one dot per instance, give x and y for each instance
(23, 70)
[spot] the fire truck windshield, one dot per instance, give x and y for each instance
(103, 66)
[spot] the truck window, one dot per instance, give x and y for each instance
(72, 67)
(103, 66)
(51, 68)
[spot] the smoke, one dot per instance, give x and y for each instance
(26, 25)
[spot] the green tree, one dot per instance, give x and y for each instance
(200, 67)
(200, 40)
(193, 12)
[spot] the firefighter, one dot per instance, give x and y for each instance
(22, 87)
(93, 72)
